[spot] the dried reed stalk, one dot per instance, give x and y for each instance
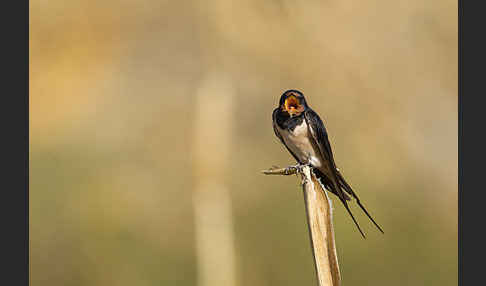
(319, 221)
(213, 215)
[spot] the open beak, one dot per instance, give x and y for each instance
(292, 105)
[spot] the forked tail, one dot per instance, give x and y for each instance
(349, 190)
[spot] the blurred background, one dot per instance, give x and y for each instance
(151, 120)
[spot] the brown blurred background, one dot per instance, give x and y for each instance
(118, 115)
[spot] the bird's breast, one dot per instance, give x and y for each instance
(301, 143)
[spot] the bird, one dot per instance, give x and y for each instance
(302, 132)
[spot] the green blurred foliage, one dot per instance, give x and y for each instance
(112, 87)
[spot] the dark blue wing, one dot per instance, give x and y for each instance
(319, 134)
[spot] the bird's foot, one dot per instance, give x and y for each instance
(297, 168)
(292, 169)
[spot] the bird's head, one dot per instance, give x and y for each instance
(293, 102)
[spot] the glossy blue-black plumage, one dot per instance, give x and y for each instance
(333, 181)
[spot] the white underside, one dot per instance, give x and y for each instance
(299, 141)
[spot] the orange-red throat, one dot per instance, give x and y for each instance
(292, 105)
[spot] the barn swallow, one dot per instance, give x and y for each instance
(302, 132)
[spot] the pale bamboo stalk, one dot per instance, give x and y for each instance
(319, 221)
(213, 218)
